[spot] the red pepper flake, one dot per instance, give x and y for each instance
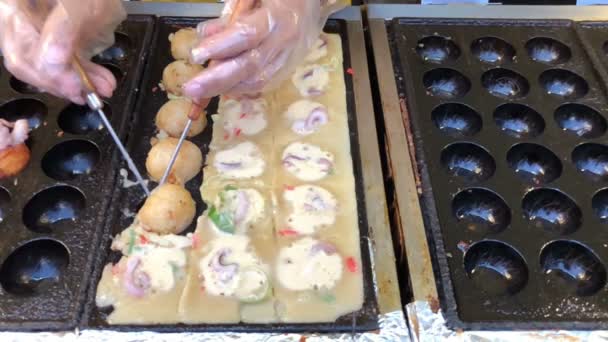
(226, 136)
(243, 115)
(202, 289)
(351, 264)
(237, 132)
(115, 269)
(350, 71)
(143, 240)
(288, 232)
(290, 187)
(196, 241)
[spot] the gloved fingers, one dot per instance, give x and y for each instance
(103, 80)
(245, 34)
(220, 77)
(260, 81)
(210, 27)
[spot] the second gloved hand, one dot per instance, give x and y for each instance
(39, 39)
(258, 50)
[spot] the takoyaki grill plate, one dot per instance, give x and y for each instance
(52, 214)
(129, 200)
(509, 120)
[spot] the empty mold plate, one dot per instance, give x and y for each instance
(77, 119)
(552, 210)
(548, 50)
(534, 163)
(117, 52)
(456, 120)
(570, 268)
(32, 110)
(564, 84)
(592, 160)
(495, 268)
(5, 203)
(436, 49)
(468, 161)
(505, 83)
(54, 208)
(70, 159)
(600, 205)
(580, 120)
(446, 83)
(519, 121)
(481, 211)
(34, 267)
(492, 50)
(22, 87)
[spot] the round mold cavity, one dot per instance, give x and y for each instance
(468, 161)
(446, 83)
(34, 267)
(5, 202)
(519, 121)
(32, 110)
(534, 163)
(481, 211)
(22, 87)
(505, 83)
(599, 202)
(115, 70)
(496, 268)
(456, 120)
(572, 267)
(548, 50)
(592, 160)
(552, 211)
(436, 49)
(77, 119)
(70, 159)
(563, 83)
(580, 120)
(117, 52)
(53, 208)
(492, 50)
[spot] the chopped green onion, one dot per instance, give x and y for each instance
(131, 241)
(327, 297)
(230, 188)
(222, 221)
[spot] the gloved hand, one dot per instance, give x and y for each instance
(40, 37)
(259, 49)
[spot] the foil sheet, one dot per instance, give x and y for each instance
(430, 326)
(393, 327)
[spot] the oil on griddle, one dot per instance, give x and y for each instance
(52, 214)
(509, 120)
(130, 199)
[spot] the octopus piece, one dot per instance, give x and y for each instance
(169, 210)
(243, 161)
(309, 264)
(235, 209)
(312, 208)
(177, 74)
(173, 117)
(182, 43)
(231, 269)
(245, 116)
(307, 162)
(307, 117)
(311, 80)
(319, 49)
(14, 154)
(187, 165)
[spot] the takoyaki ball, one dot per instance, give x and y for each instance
(182, 43)
(169, 210)
(188, 164)
(178, 73)
(173, 117)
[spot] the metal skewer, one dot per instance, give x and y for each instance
(196, 108)
(95, 103)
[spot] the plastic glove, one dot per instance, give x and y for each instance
(259, 49)
(39, 39)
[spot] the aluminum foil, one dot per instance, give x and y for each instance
(393, 327)
(430, 326)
